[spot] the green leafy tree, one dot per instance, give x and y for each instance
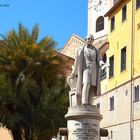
(34, 97)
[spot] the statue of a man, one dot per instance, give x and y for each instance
(87, 69)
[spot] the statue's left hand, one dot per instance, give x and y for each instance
(101, 63)
(104, 66)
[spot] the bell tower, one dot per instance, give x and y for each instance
(97, 23)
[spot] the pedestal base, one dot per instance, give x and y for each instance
(83, 122)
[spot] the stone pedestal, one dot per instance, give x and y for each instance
(83, 122)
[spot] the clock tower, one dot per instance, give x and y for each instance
(97, 23)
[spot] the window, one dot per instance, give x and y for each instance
(124, 11)
(111, 68)
(123, 59)
(100, 24)
(111, 134)
(103, 72)
(98, 105)
(111, 103)
(137, 4)
(136, 93)
(112, 23)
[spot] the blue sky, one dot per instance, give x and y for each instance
(57, 18)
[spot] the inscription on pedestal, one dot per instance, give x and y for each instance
(84, 131)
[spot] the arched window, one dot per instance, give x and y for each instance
(100, 24)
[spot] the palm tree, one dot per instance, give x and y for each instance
(36, 90)
(21, 55)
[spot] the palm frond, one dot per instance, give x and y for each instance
(35, 33)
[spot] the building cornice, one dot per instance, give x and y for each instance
(114, 7)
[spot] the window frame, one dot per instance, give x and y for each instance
(112, 103)
(98, 105)
(124, 13)
(137, 4)
(112, 24)
(111, 68)
(111, 134)
(136, 96)
(123, 59)
(100, 24)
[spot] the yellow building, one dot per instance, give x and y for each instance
(119, 103)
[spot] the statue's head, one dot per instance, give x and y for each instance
(89, 39)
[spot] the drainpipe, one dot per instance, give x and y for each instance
(132, 73)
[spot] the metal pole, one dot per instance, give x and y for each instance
(132, 73)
